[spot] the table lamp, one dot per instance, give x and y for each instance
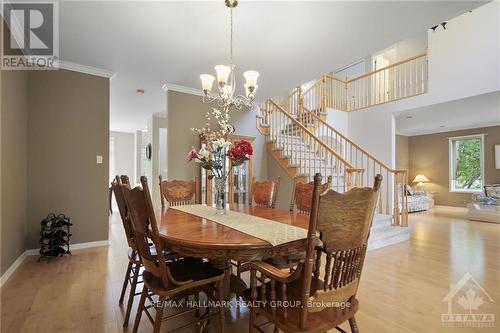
(420, 179)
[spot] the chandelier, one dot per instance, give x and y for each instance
(226, 80)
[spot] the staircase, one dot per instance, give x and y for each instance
(383, 233)
(301, 153)
(303, 143)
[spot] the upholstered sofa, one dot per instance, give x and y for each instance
(486, 207)
(417, 201)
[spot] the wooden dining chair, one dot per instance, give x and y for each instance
(319, 300)
(302, 195)
(167, 280)
(264, 193)
(178, 192)
(134, 263)
(132, 273)
(301, 201)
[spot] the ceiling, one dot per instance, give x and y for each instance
(148, 44)
(472, 112)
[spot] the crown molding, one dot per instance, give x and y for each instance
(182, 89)
(85, 69)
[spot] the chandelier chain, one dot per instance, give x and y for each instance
(231, 38)
(226, 78)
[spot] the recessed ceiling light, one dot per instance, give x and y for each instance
(140, 91)
(409, 117)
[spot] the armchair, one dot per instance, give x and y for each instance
(307, 299)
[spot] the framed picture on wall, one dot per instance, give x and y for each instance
(497, 156)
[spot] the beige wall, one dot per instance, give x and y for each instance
(68, 127)
(402, 152)
(185, 111)
(14, 148)
(429, 156)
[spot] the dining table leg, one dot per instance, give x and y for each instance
(225, 265)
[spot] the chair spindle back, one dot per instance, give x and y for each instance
(178, 192)
(122, 208)
(265, 193)
(303, 193)
(343, 222)
(145, 228)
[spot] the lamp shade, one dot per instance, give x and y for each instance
(251, 78)
(420, 179)
(206, 81)
(223, 72)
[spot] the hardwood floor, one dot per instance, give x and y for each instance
(402, 286)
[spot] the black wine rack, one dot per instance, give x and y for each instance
(55, 236)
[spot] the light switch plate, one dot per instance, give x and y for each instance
(99, 159)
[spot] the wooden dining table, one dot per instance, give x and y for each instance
(194, 236)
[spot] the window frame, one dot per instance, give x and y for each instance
(451, 162)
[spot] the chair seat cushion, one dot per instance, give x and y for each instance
(187, 273)
(195, 269)
(290, 261)
(321, 321)
(169, 255)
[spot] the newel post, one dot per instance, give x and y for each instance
(404, 201)
(396, 211)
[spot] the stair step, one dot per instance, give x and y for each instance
(381, 221)
(385, 232)
(389, 238)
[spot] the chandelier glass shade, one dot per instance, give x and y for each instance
(226, 81)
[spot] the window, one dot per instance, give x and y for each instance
(466, 163)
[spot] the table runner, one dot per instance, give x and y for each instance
(275, 233)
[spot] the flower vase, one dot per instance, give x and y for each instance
(220, 193)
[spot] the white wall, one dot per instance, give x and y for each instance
(464, 60)
(124, 163)
(351, 71)
(412, 46)
(338, 120)
(397, 52)
(375, 132)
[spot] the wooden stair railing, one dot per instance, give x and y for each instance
(297, 147)
(360, 158)
(403, 79)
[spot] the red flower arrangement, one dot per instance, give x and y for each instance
(240, 152)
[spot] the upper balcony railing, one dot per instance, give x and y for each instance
(400, 80)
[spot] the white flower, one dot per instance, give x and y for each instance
(221, 143)
(204, 153)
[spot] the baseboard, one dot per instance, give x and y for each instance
(12, 269)
(78, 246)
(34, 252)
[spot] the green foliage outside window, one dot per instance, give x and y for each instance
(468, 164)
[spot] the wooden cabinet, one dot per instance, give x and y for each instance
(238, 186)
